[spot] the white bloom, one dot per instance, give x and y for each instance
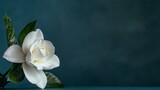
(35, 55)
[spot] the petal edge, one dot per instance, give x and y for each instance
(30, 39)
(14, 54)
(35, 76)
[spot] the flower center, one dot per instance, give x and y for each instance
(39, 54)
(44, 51)
(36, 61)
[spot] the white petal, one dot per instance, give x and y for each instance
(42, 49)
(49, 64)
(14, 54)
(35, 76)
(30, 39)
(42, 84)
(28, 59)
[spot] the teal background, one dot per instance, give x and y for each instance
(92, 88)
(99, 42)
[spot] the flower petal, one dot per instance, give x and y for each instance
(28, 59)
(49, 64)
(31, 38)
(14, 54)
(42, 84)
(42, 49)
(35, 76)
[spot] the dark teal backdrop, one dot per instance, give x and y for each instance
(99, 42)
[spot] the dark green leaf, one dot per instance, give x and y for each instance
(15, 73)
(28, 28)
(53, 81)
(10, 32)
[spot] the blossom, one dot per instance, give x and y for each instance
(35, 55)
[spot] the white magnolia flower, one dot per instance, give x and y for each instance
(35, 55)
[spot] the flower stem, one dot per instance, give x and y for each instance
(3, 79)
(6, 72)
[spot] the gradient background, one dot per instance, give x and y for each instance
(99, 42)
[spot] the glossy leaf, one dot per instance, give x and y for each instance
(53, 81)
(10, 32)
(15, 73)
(28, 28)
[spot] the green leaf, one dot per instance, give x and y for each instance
(10, 32)
(28, 28)
(15, 73)
(53, 81)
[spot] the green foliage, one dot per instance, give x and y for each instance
(15, 73)
(53, 81)
(27, 29)
(10, 32)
